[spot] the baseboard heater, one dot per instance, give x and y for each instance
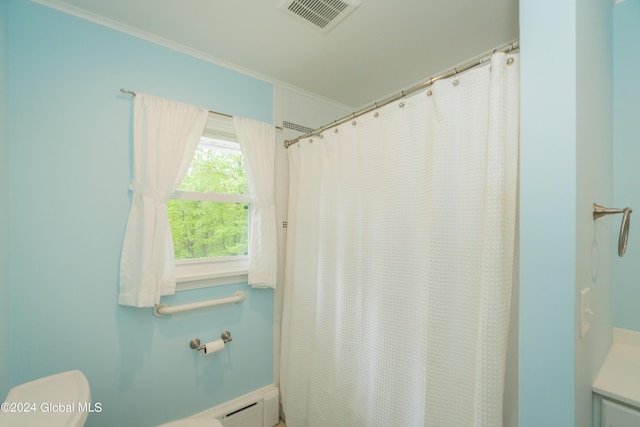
(259, 408)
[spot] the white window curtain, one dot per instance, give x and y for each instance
(257, 142)
(400, 254)
(165, 136)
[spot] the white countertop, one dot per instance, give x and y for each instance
(619, 377)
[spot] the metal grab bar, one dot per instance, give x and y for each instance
(160, 310)
(599, 211)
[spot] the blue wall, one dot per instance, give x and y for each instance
(626, 119)
(594, 177)
(547, 213)
(70, 154)
(566, 165)
(4, 208)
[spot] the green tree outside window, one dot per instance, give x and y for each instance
(205, 229)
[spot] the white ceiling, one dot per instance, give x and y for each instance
(384, 46)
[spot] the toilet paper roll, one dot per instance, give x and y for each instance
(213, 346)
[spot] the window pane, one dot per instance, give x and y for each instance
(208, 229)
(217, 166)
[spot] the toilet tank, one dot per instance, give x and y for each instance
(60, 400)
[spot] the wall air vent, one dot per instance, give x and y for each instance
(296, 127)
(322, 14)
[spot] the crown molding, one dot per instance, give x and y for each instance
(169, 44)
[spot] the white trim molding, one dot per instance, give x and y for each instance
(178, 47)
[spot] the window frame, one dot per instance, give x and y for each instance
(206, 272)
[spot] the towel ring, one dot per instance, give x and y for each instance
(600, 211)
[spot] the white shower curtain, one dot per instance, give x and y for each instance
(399, 260)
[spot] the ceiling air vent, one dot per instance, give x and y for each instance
(322, 14)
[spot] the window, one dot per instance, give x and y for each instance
(209, 212)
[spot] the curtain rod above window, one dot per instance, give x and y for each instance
(508, 48)
(130, 92)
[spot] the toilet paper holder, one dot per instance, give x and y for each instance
(196, 344)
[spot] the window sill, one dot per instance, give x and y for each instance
(204, 273)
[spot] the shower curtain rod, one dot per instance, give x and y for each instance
(130, 92)
(508, 48)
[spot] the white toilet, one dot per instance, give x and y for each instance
(194, 422)
(60, 400)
